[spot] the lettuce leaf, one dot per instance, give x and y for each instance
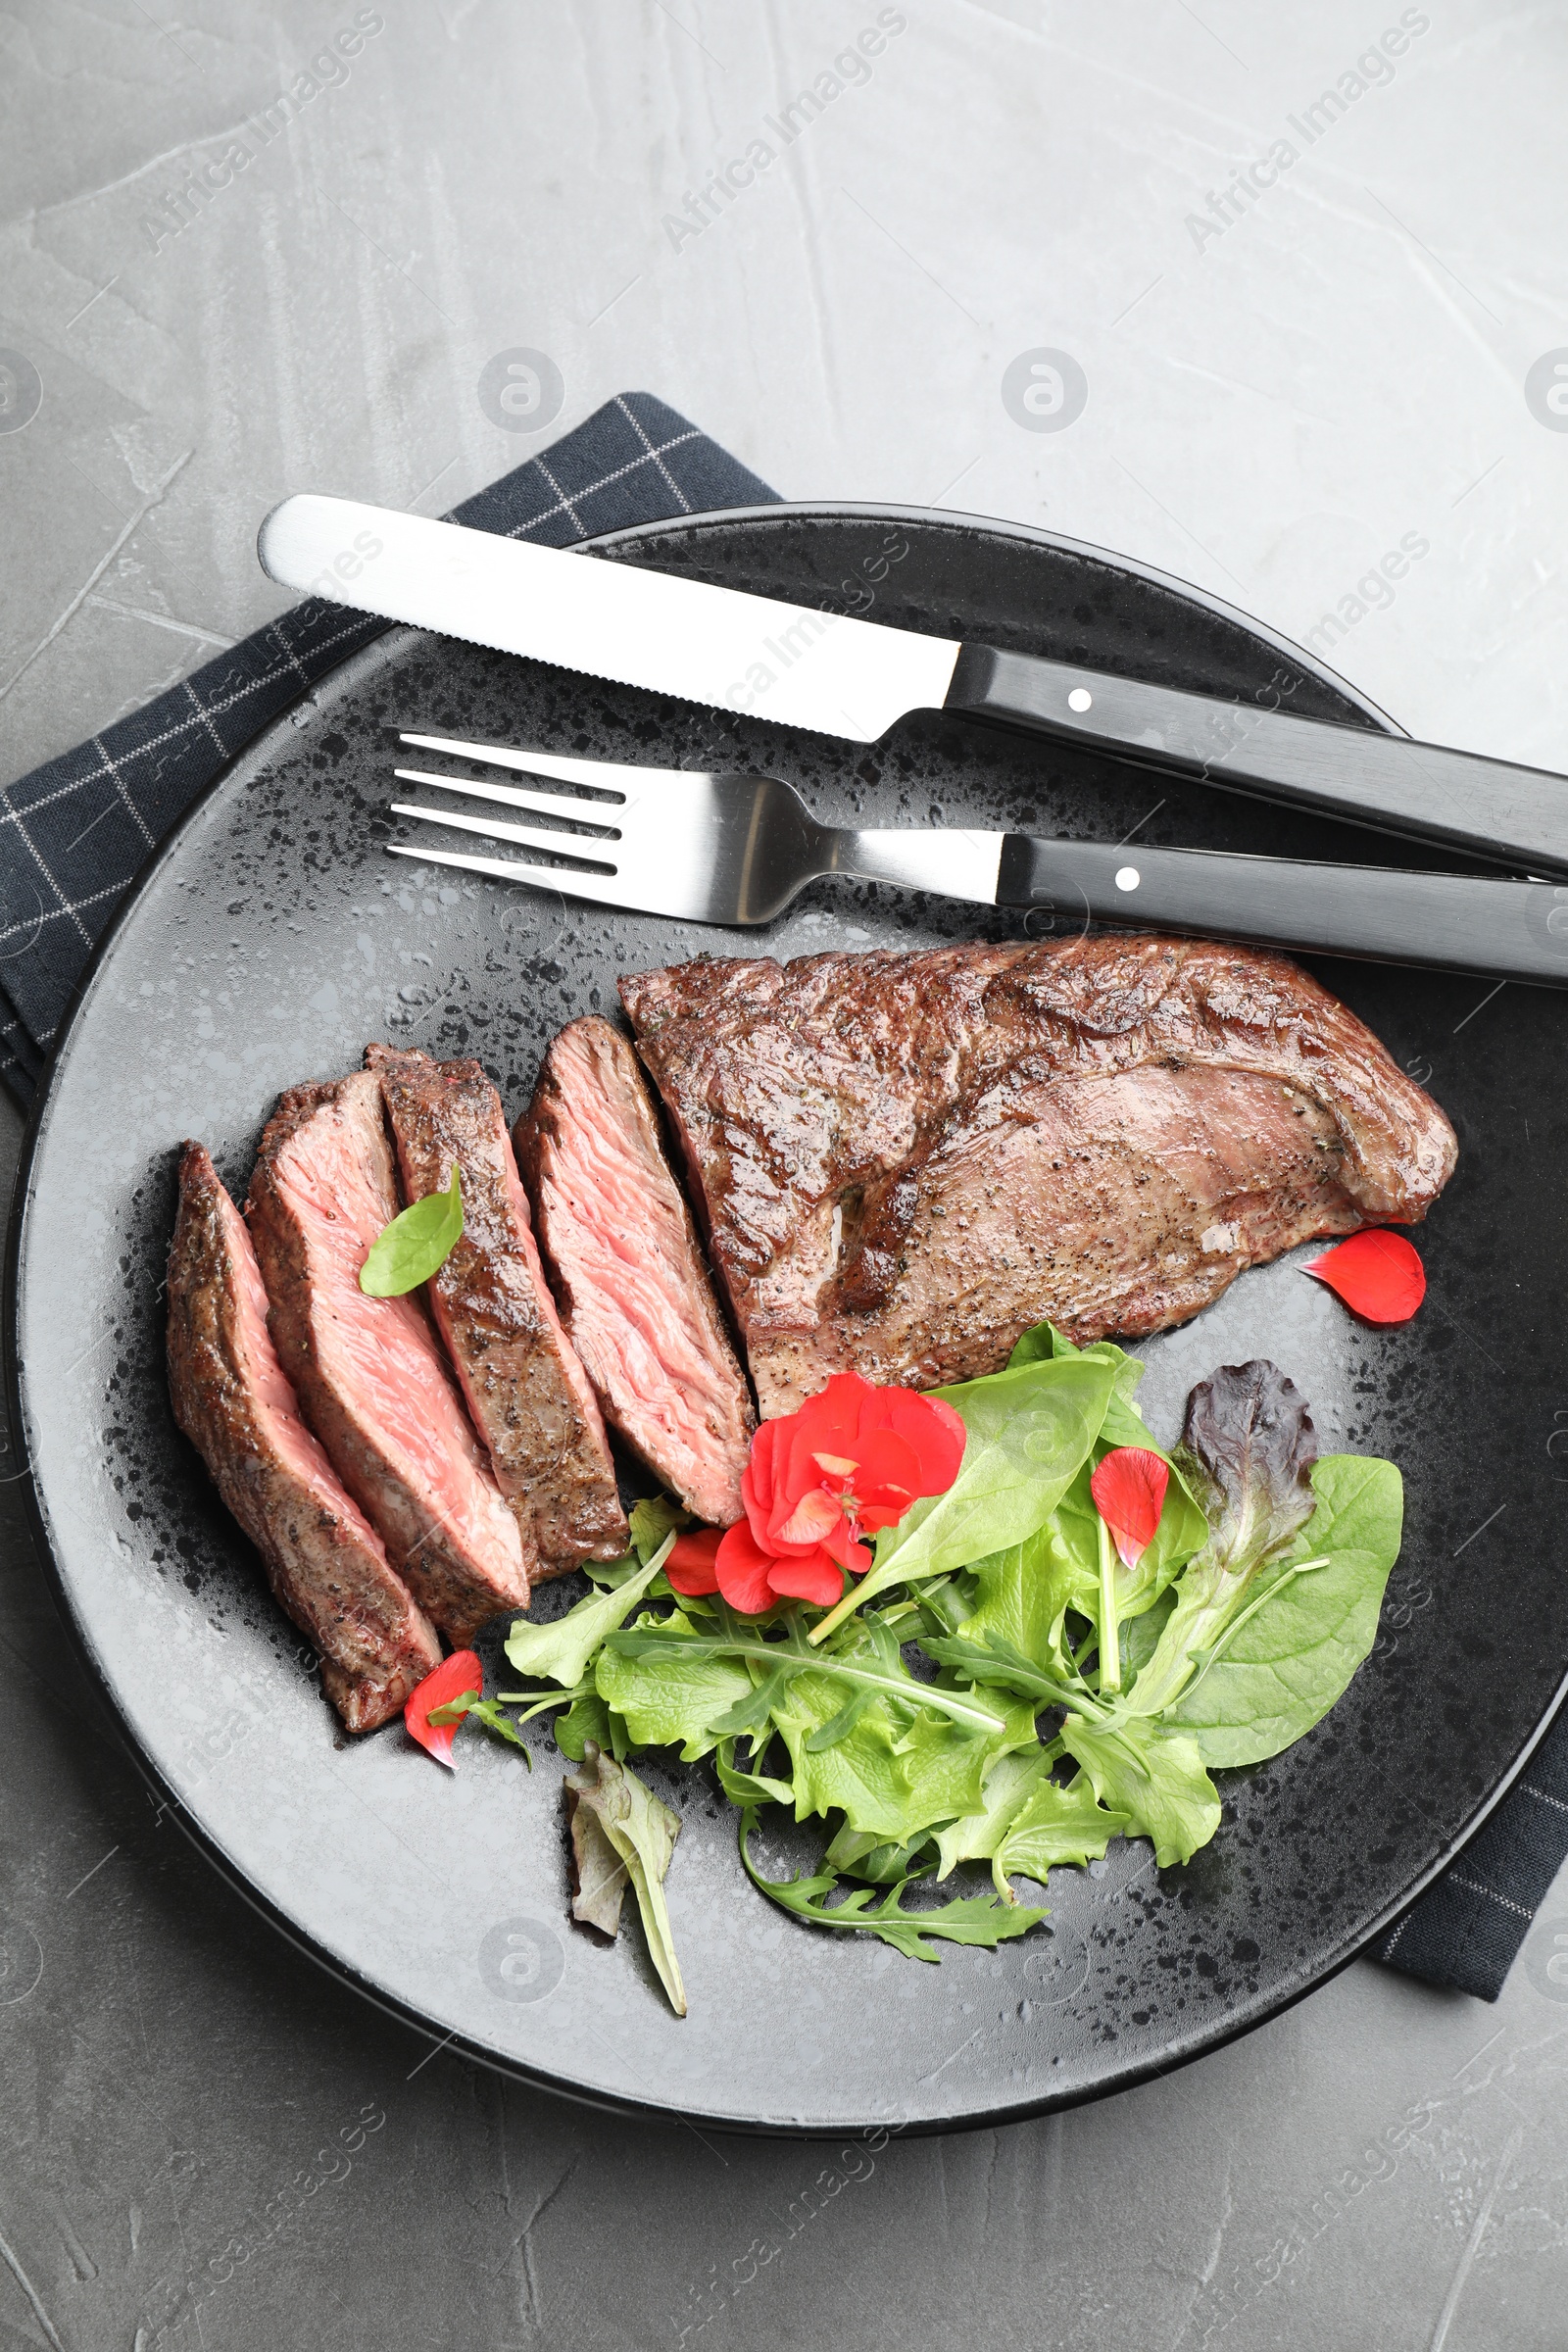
(1153, 1777)
(642, 1831)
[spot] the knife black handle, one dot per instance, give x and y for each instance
(1487, 808)
(1518, 930)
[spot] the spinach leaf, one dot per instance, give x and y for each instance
(415, 1244)
(1286, 1665)
(974, 1919)
(642, 1832)
(1029, 1433)
(560, 1652)
(1123, 1424)
(1155, 1777)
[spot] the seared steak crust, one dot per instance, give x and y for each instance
(623, 1255)
(904, 1160)
(325, 1563)
(371, 1379)
(530, 1399)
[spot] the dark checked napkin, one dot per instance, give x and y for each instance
(76, 832)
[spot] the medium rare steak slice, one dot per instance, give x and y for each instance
(904, 1160)
(324, 1561)
(529, 1396)
(370, 1376)
(623, 1255)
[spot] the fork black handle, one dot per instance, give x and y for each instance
(1518, 930)
(1487, 808)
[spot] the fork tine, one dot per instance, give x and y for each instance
(599, 889)
(604, 773)
(543, 804)
(496, 828)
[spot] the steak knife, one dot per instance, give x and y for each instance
(796, 665)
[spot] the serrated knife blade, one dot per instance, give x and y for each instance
(716, 646)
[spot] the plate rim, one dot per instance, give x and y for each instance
(1126, 2078)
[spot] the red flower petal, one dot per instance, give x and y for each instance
(448, 1681)
(810, 1518)
(743, 1568)
(840, 1545)
(931, 1426)
(757, 1477)
(691, 1566)
(1129, 1492)
(819, 1580)
(1378, 1274)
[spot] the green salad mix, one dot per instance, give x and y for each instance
(1016, 1679)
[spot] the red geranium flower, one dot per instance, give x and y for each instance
(849, 1462)
(1129, 1492)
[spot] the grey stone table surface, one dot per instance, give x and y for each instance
(1307, 269)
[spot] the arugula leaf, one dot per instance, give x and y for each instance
(560, 1652)
(1284, 1667)
(642, 1832)
(866, 1666)
(976, 1919)
(485, 1711)
(1056, 1826)
(861, 1855)
(1153, 1777)
(1029, 1432)
(416, 1243)
(997, 1661)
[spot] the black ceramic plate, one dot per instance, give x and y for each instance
(273, 937)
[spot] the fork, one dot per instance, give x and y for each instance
(726, 848)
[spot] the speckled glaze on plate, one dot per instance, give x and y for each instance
(272, 938)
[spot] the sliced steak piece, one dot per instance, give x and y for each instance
(371, 1379)
(325, 1563)
(622, 1253)
(904, 1160)
(529, 1396)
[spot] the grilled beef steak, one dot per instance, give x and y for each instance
(904, 1161)
(324, 1561)
(623, 1255)
(370, 1373)
(530, 1396)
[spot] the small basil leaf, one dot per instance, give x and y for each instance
(415, 1244)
